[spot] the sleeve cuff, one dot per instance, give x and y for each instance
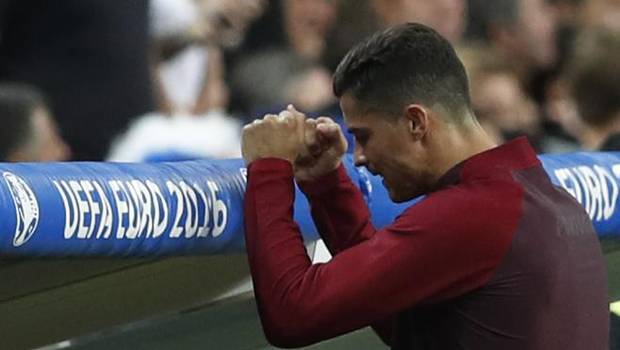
(325, 184)
(270, 165)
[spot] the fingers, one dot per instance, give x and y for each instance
(284, 117)
(292, 109)
(327, 128)
(325, 120)
(269, 118)
(279, 136)
(330, 133)
(314, 135)
(306, 126)
(310, 137)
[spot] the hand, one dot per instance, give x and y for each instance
(278, 136)
(324, 147)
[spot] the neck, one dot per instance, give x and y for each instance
(460, 142)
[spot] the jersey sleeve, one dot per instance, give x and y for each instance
(338, 210)
(444, 246)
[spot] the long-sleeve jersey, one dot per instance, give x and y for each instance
(496, 257)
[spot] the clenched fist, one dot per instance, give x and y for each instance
(277, 136)
(324, 146)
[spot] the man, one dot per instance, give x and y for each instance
(28, 133)
(593, 83)
(521, 31)
(448, 17)
(495, 256)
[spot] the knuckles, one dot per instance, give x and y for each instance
(286, 121)
(272, 121)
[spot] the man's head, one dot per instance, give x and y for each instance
(27, 130)
(405, 97)
(408, 62)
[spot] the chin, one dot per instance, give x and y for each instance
(399, 197)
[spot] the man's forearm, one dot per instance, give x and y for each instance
(339, 210)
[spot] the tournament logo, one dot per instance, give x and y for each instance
(26, 208)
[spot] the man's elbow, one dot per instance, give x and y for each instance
(287, 337)
(291, 332)
(284, 340)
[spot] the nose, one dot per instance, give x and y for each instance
(358, 156)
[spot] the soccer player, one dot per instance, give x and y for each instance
(494, 257)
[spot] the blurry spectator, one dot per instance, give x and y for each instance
(89, 57)
(155, 137)
(289, 58)
(271, 79)
(562, 122)
(593, 76)
(297, 25)
(358, 19)
(498, 99)
(522, 31)
(28, 133)
(355, 21)
(448, 17)
(315, 79)
(476, 58)
(531, 37)
(179, 66)
(189, 37)
(306, 24)
(602, 13)
(226, 21)
(547, 87)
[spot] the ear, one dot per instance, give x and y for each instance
(418, 120)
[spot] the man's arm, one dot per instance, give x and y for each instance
(343, 221)
(339, 210)
(425, 255)
(321, 155)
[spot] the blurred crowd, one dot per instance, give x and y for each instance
(156, 80)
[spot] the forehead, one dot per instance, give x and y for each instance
(352, 112)
(358, 117)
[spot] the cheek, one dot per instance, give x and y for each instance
(412, 175)
(398, 178)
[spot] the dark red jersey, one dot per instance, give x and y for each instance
(496, 257)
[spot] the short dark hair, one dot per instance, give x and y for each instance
(17, 103)
(405, 63)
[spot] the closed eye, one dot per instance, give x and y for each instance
(361, 140)
(361, 135)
